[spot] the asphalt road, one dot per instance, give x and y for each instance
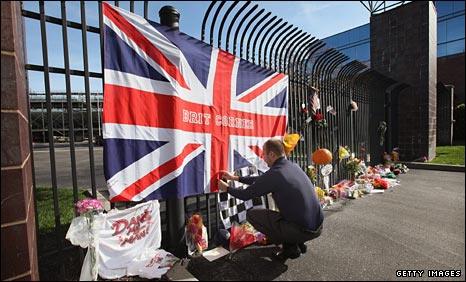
(416, 226)
(42, 167)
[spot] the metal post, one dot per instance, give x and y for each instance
(56, 208)
(90, 128)
(169, 16)
(243, 19)
(69, 103)
(231, 25)
(222, 24)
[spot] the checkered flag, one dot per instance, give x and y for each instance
(234, 210)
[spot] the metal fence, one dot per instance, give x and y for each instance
(268, 40)
(244, 30)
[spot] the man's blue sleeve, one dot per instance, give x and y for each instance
(249, 180)
(263, 185)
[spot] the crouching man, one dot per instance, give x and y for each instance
(300, 216)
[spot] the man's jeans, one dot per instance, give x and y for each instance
(279, 230)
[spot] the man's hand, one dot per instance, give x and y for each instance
(222, 186)
(228, 176)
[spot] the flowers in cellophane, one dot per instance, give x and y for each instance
(88, 208)
(242, 235)
(319, 120)
(196, 235)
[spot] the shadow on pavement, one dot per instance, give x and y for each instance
(252, 263)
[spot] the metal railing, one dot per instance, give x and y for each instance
(271, 42)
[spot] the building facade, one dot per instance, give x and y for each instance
(437, 116)
(356, 43)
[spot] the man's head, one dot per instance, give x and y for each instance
(273, 150)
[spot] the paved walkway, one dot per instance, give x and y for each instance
(416, 226)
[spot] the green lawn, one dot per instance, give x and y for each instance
(45, 208)
(453, 155)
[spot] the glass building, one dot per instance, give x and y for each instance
(450, 27)
(355, 42)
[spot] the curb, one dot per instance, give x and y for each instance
(62, 145)
(429, 166)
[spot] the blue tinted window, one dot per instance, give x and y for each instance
(441, 50)
(455, 47)
(350, 52)
(442, 32)
(444, 8)
(339, 40)
(363, 52)
(458, 6)
(455, 28)
(364, 32)
(330, 41)
(353, 36)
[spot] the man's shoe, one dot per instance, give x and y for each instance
(302, 248)
(289, 251)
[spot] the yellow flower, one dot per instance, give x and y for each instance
(320, 193)
(343, 153)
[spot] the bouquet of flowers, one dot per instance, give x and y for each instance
(380, 183)
(319, 120)
(323, 198)
(311, 173)
(196, 235)
(353, 166)
(402, 168)
(243, 235)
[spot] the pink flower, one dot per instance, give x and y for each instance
(89, 204)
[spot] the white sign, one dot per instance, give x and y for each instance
(122, 242)
(326, 170)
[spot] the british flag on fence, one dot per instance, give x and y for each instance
(176, 110)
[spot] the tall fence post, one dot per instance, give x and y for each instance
(19, 246)
(169, 16)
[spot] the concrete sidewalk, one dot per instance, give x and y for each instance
(416, 226)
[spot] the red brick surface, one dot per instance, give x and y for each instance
(15, 139)
(15, 253)
(19, 242)
(13, 200)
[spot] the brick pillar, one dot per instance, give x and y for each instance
(19, 246)
(404, 47)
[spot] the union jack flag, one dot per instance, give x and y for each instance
(177, 111)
